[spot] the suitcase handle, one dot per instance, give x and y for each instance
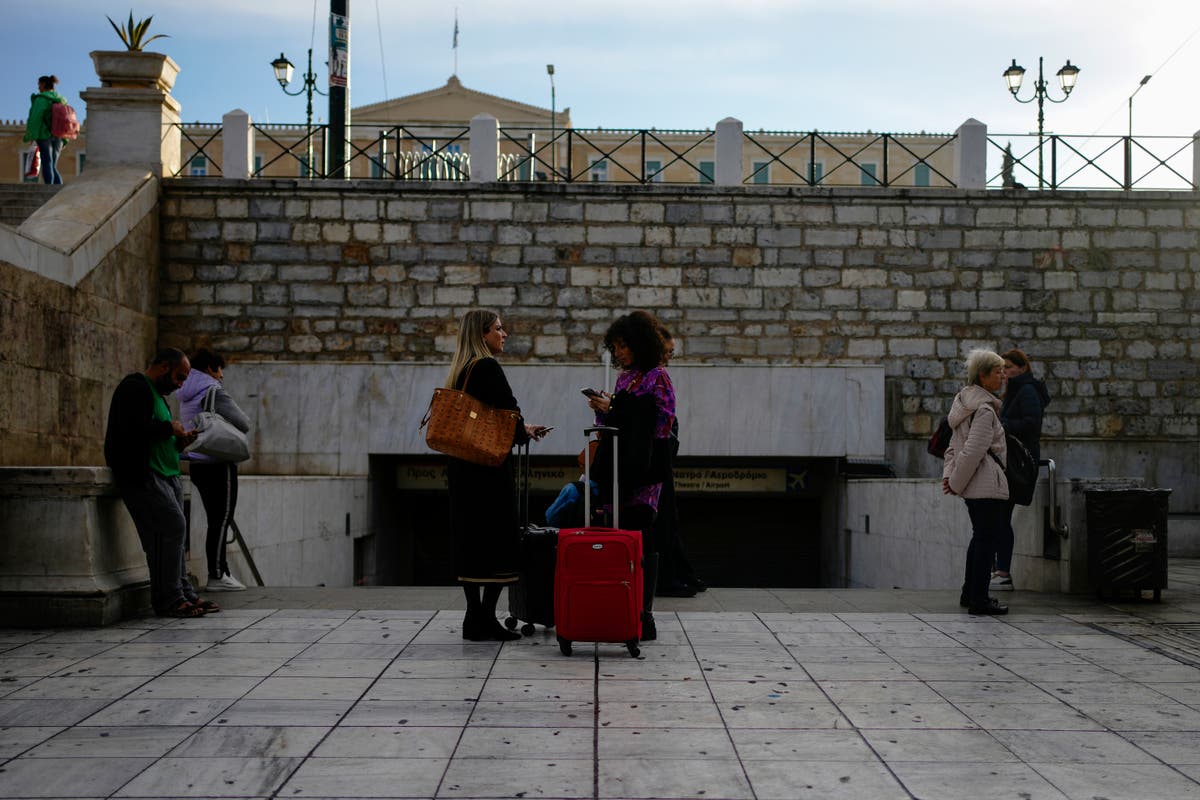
(587, 473)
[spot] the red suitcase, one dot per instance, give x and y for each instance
(598, 577)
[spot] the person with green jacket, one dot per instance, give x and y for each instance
(37, 127)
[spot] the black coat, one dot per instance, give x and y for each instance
(132, 429)
(483, 511)
(1021, 410)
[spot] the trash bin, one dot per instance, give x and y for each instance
(1127, 540)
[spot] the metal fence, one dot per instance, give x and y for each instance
(199, 143)
(1090, 162)
(869, 159)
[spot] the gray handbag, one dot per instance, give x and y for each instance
(216, 436)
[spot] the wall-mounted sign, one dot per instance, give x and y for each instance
(731, 479)
(431, 477)
(339, 50)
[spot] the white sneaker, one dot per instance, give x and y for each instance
(1001, 583)
(226, 583)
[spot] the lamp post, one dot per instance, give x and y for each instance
(1067, 76)
(1129, 138)
(553, 144)
(283, 73)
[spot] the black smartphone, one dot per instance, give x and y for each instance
(591, 392)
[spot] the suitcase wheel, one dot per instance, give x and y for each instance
(564, 645)
(634, 651)
(528, 629)
(511, 624)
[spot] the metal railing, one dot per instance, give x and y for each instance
(1090, 162)
(195, 139)
(603, 154)
(412, 152)
(893, 156)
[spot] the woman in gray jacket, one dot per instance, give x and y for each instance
(974, 471)
(215, 480)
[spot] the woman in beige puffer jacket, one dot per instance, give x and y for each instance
(971, 473)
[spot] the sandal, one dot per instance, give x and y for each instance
(185, 610)
(208, 606)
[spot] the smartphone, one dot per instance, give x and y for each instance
(591, 392)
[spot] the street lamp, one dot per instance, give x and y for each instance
(553, 144)
(1067, 76)
(283, 73)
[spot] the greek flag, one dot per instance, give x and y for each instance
(455, 29)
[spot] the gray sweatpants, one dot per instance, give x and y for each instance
(156, 506)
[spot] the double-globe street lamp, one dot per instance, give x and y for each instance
(1067, 76)
(283, 73)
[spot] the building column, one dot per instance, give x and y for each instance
(237, 145)
(970, 156)
(485, 148)
(728, 169)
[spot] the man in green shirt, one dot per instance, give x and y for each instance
(141, 446)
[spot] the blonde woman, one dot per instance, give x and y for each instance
(974, 471)
(483, 516)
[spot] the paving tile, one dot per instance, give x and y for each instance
(451, 652)
(48, 711)
(650, 670)
(196, 686)
(666, 777)
(1101, 692)
(495, 742)
(961, 671)
(550, 690)
(901, 691)
(659, 714)
(512, 777)
(869, 671)
(458, 689)
(534, 714)
(286, 713)
(1188, 693)
(210, 777)
(332, 668)
(641, 691)
(365, 777)
(811, 780)
(68, 777)
(117, 666)
(727, 692)
(276, 636)
(940, 746)
(143, 649)
(1083, 747)
(393, 713)
(448, 668)
(815, 654)
(978, 781)
(905, 715)
(226, 665)
(142, 711)
(771, 744)
(73, 650)
(796, 714)
(268, 741)
(32, 667)
(1119, 781)
(983, 691)
(16, 739)
(396, 742)
(1159, 717)
(114, 742)
(274, 688)
(79, 687)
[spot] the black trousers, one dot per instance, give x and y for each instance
(989, 518)
(217, 484)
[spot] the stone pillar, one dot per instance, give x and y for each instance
(728, 169)
(1196, 161)
(131, 117)
(237, 145)
(485, 148)
(970, 156)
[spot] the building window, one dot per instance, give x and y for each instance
(525, 169)
(867, 172)
(707, 170)
(598, 170)
(257, 163)
(376, 168)
(654, 171)
(816, 171)
(921, 175)
(762, 172)
(303, 166)
(198, 166)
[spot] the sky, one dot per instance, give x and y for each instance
(893, 66)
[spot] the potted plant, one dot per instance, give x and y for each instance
(133, 67)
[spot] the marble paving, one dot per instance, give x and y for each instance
(313, 702)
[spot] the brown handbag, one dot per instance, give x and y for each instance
(463, 427)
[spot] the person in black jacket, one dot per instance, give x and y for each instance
(1025, 400)
(483, 514)
(141, 446)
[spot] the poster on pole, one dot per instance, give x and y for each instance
(339, 50)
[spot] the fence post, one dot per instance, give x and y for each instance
(728, 168)
(970, 157)
(485, 148)
(237, 145)
(1196, 161)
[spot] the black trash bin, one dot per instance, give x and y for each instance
(1127, 540)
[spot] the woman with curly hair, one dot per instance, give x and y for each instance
(642, 408)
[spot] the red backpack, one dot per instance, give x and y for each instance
(63, 123)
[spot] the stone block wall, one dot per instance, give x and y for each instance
(63, 350)
(1100, 288)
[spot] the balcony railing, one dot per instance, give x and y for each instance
(1091, 162)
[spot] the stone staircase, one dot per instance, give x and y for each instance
(19, 200)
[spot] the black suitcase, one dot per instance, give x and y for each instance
(531, 600)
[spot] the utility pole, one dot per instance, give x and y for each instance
(339, 88)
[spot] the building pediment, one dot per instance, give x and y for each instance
(455, 103)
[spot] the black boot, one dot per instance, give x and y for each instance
(488, 621)
(473, 629)
(650, 583)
